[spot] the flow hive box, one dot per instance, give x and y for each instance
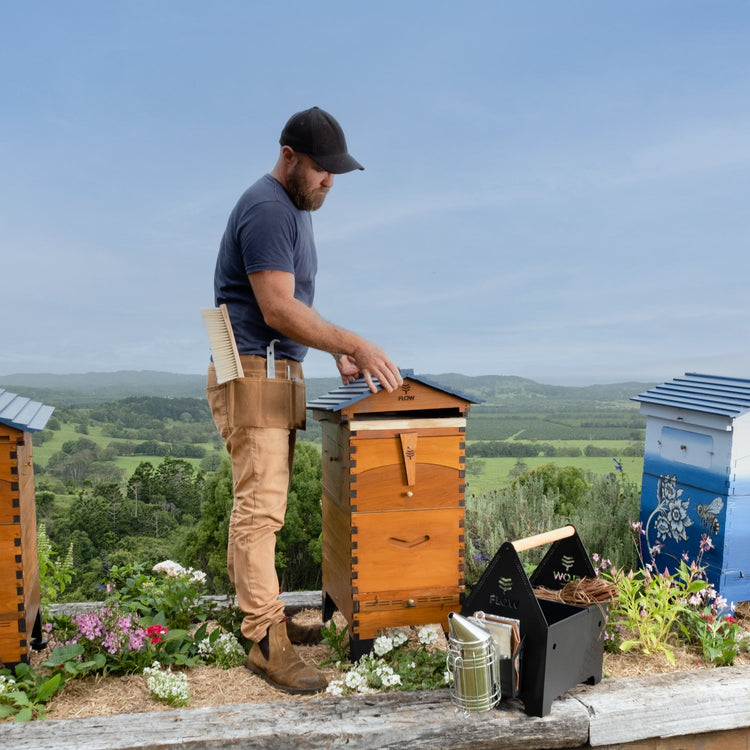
(20, 620)
(393, 505)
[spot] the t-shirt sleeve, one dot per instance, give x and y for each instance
(267, 236)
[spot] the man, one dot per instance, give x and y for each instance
(265, 274)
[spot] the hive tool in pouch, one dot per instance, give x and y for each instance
(271, 360)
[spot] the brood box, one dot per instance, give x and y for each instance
(393, 505)
(20, 619)
(696, 478)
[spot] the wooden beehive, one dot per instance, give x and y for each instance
(20, 616)
(393, 505)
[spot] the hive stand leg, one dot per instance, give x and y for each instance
(38, 641)
(328, 607)
(359, 647)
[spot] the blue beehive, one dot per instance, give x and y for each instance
(696, 478)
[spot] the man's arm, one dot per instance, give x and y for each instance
(274, 292)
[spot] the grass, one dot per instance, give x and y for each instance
(495, 471)
(43, 452)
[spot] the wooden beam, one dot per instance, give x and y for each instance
(704, 702)
(414, 720)
(666, 705)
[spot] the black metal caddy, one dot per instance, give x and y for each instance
(562, 645)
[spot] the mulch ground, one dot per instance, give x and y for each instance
(211, 686)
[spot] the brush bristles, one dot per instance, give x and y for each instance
(223, 347)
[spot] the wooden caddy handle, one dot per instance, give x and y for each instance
(545, 538)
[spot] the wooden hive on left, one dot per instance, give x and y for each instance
(393, 505)
(20, 596)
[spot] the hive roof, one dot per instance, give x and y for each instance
(346, 395)
(712, 394)
(23, 413)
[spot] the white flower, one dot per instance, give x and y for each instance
(175, 570)
(168, 687)
(399, 638)
(353, 679)
(6, 684)
(382, 645)
(169, 568)
(392, 679)
(336, 687)
(228, 651)
(427, 636)
(196, 576)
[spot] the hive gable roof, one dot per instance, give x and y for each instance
(22, 413)
(347, 395)
(711, 394)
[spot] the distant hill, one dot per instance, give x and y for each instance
(88, 389)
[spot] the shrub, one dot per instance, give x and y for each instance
(173, 597)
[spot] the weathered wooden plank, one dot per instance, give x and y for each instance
(666, 705)
(394, 720)
(294, 601)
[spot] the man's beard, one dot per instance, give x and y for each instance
(303, 197)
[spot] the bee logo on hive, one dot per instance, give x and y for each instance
(708, 514)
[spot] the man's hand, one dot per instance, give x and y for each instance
(347, 368)
(373, 362)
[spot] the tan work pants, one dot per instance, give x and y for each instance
(257, 418)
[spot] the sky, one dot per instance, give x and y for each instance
(553, 190)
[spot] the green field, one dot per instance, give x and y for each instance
(495, 471)
(43, 452)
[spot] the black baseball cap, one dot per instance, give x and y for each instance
(316, 133)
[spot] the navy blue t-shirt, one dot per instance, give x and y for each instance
(265, 232)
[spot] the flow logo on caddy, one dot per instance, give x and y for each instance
(505, 585)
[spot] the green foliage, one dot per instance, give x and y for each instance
(337, 640)
(653, 611)
(394, 665)
(24, 692)
(174, 597)
(568, 483)
(129, 632)
(719, 637)
(600, 507)
(54, 574)
(222, 648)
(603, 520)
(649, 606)
(497, 517)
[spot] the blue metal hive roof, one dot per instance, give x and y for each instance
(346, 395)
(712, 394)
(23, 413)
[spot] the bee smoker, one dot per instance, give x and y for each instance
(474, 663)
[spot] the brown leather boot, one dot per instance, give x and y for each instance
(278, 664)
(303, 633)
